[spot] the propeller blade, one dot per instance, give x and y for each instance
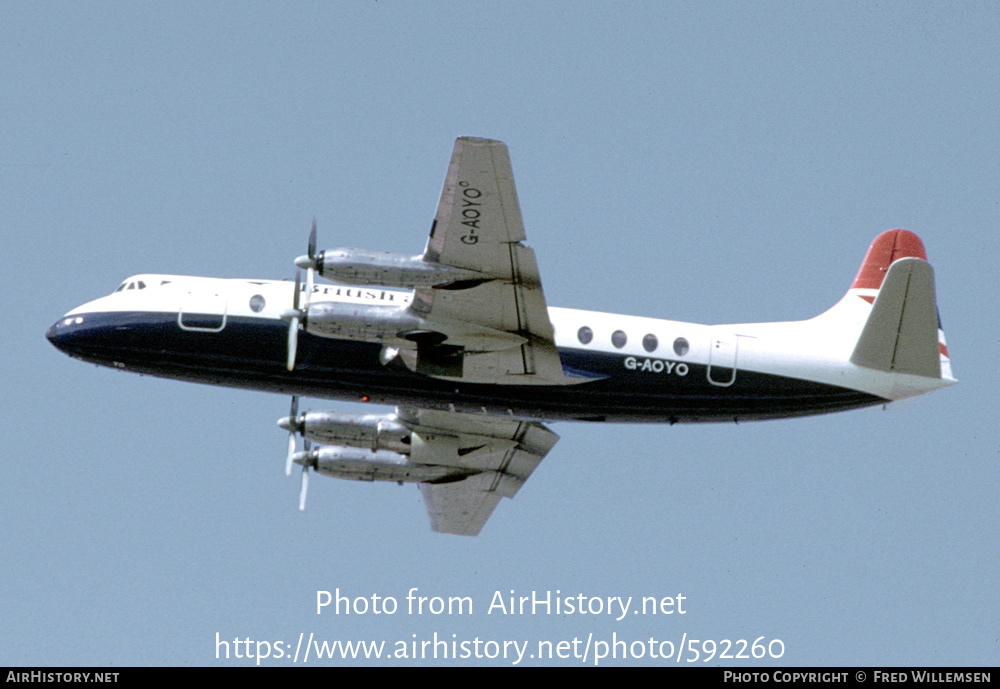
(311, 259)
(312, 241)
(303, 487)
(293, 428)
(310, 275)
(294, 317)
(293, 341)
(311, 271)
(291, 452)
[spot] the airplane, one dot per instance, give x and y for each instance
(461, 340)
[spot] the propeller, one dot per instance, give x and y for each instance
(296, 315)
(311, 260)
(293, 425)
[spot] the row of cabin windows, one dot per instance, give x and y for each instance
(619, 339)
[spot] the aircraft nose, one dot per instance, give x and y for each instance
(68, 334)
(56, 333)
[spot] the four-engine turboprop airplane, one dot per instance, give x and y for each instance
(475, 361)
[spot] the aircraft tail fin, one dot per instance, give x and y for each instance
(902, 333)
(884, 251)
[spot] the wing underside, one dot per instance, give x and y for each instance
(478, 227)
(477, 315)
(493, 457)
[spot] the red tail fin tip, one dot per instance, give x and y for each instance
(887, 247)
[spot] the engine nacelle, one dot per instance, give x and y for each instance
(367, 322)
(398, 325)
(363, 465)
(363, 267)
(367, 431)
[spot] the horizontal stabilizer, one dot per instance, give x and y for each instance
(901, 334)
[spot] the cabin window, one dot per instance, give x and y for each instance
(257, 303)
(585, 335)
(619, 338)
(681, 346)
(650, 343)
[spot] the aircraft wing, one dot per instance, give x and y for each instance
(492, 458)
(497, 326)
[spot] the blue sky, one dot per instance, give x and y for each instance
(695, 161)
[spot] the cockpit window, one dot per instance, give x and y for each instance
(135, 284)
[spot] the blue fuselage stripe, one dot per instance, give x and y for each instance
(251, 353)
